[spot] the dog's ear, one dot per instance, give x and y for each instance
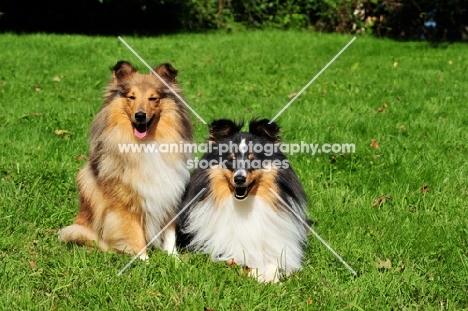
(122, 70)
(222, 128)
(167, 72)
(264, 128)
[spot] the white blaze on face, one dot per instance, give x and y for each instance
(240, 171)
(243, 148)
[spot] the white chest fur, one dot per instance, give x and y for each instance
(160, 184)
(250, 232)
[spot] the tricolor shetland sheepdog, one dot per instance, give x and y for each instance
(126, 198)
(240, 218)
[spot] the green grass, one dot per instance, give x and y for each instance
(422, 137)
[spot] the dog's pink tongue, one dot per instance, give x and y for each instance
(138, 134)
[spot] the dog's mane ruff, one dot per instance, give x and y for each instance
(291, 189)
(247, 232)
(198, 181)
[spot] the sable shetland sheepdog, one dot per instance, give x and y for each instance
(239, 217)
(127, 198)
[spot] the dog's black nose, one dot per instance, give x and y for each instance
(239, 180)
(140, 116)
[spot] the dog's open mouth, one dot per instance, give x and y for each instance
(141, 129)
(241, 192)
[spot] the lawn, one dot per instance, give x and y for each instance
(395, 209)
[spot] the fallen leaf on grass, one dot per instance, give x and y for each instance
(56, 79)
(63, 133)
(430, 277)
(403, 128)
(32, 265)
(383, 264)
(309, 301)
(209, 59)
(424, 189)
(30, 114)
(245, 270)
(381, 109)
(154, 293)
(395, 64)
(381, 200)
(292, 95)
(374, 144)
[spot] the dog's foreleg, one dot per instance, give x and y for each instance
(124, 233)
(271, 273)
(169, 240)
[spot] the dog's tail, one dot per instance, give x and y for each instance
(81, 235)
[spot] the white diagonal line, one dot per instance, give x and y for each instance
(316, 234)
(162, 80)
(159, 233)
(311, 81)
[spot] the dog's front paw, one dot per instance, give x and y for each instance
(144, 257)
(270, 275)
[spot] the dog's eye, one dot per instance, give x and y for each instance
(153, 99)
(131, 97)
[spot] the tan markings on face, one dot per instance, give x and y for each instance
(143, 98)
(143, 94)
(251, 156)
(168, 125)
(263, 182)
(221, 184)
(119, 117)
(232, 155)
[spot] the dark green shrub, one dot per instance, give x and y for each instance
(403, 19)
(251, 13)
(397, 18)
(409, 17)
